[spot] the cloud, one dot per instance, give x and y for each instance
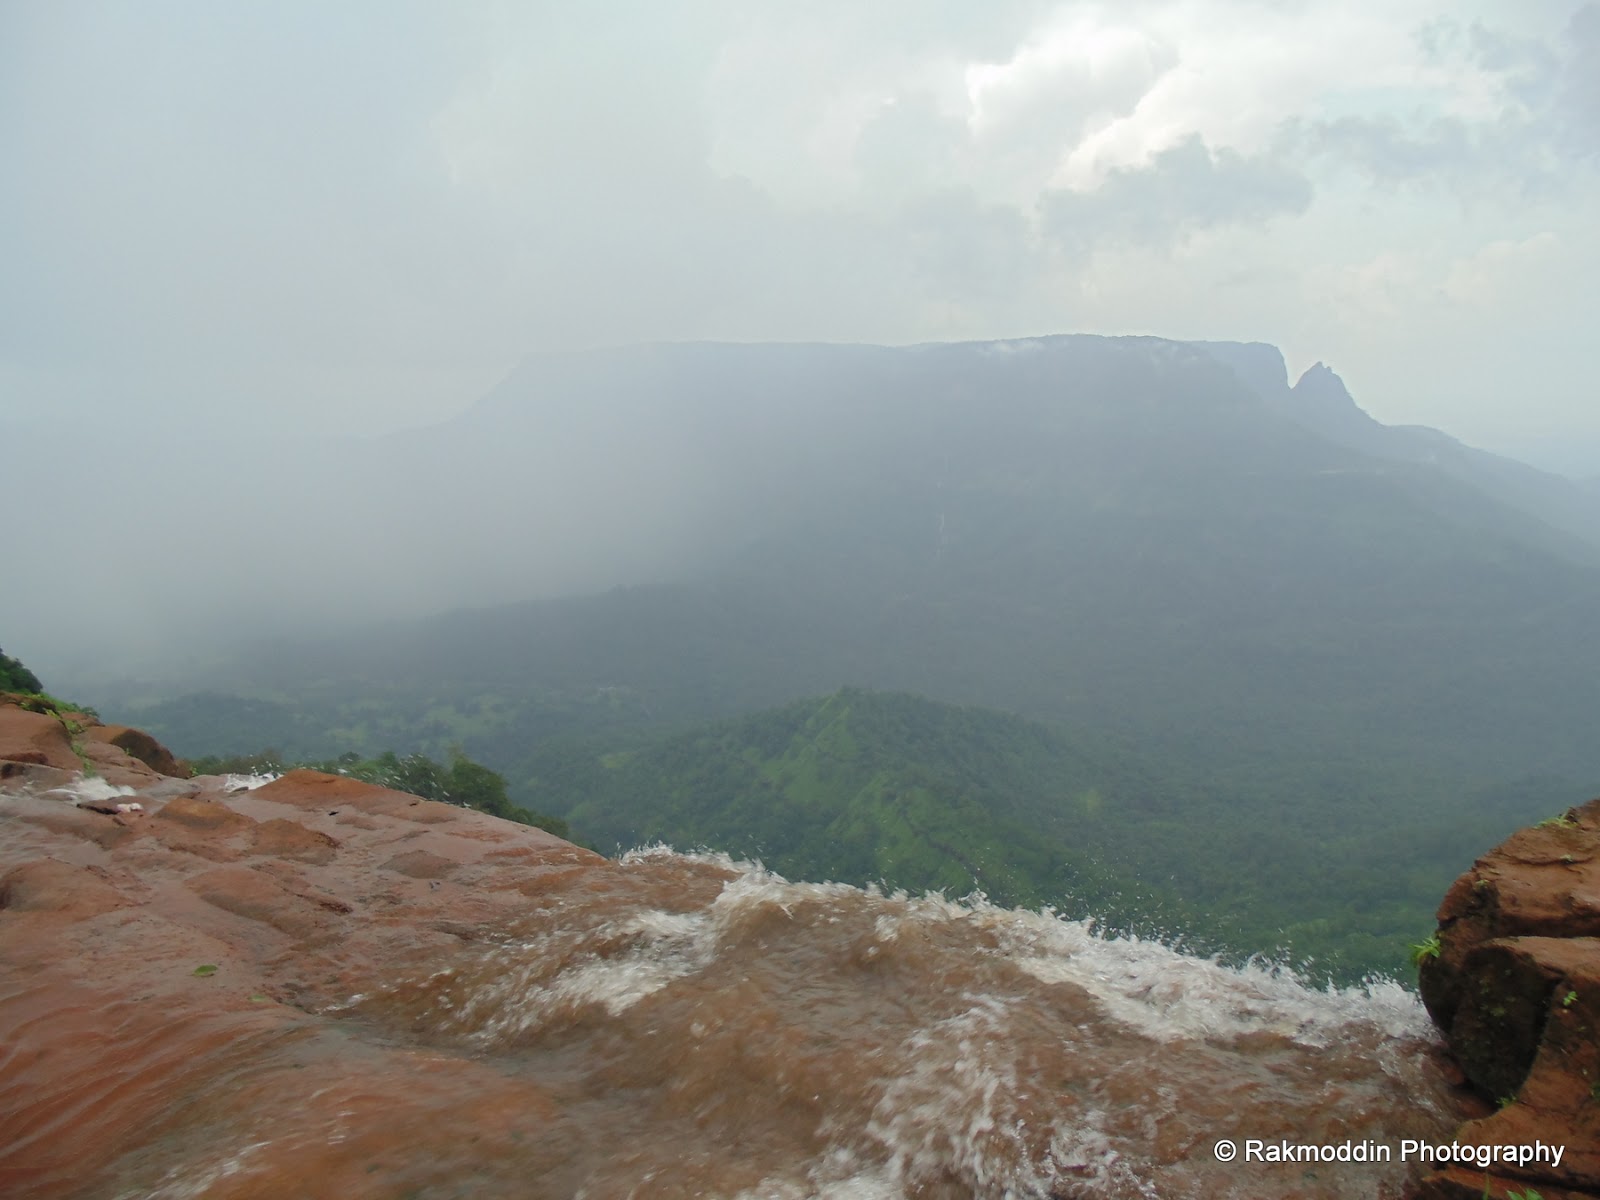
(360, 216)
(1579, 93)
(1498, 269)
(1503, 112)
(1186, 188)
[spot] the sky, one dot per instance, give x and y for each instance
(236, 219)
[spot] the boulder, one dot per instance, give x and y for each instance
(1514, 985)
(35, 738)
(140, 745)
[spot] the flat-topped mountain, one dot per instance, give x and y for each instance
(1130, 533)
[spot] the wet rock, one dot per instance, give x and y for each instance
(115, 765)
(111, 806)
(141, 746)
(282, 838)
(34, 776)
(204, 813)
(37, 738)
(163, 982)
(1515, 988)
(320, 987)
(419, 864)
(51, 886)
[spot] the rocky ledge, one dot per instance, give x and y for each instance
(167, 953)
(1513, 981)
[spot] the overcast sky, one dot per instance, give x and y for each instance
(358, 216)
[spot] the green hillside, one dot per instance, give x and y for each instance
(868, 787)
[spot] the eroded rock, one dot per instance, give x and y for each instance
(165, 981)
(1515, 988)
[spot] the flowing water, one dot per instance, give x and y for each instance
(684, 1025)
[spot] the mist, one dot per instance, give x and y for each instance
(272, 274)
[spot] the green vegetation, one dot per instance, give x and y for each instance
(463, 782)
(1296, 854)
(866, 787)
(14, 677)
(30, 695)
(205, 970)
(1425, 950)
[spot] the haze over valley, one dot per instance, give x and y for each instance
(899, 601)
(1247, 617)
(689, 416)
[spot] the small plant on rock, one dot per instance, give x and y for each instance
(1425, 950)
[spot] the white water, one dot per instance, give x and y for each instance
(719, 1021)
(90, 787)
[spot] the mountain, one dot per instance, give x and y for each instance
(1284, 614)
(1115, 534)
(1320, 402)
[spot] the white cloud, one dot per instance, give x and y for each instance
(357, 214)
(1500, 270)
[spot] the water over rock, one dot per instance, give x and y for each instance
(315, 986)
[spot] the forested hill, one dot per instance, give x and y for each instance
(866, 787)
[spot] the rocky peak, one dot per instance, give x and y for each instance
(1322, 401)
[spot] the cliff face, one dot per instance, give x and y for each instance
(1515, 988)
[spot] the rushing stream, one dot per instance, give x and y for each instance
(700, 1027)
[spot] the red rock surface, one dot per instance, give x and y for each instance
(139, 745)
(164, 975)
(36, 738)
(74, 741)
(1516, 990)
(286, 992)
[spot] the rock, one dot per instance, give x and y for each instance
(125, 1055)
(1515, 988)
(50, 886)
(207, 813)
(290, 839)
(15, 775)
(420, 864)
(73, 741)
(36, 738)
(141, 746)
(110, 806)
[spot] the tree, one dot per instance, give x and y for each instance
(14, 677)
